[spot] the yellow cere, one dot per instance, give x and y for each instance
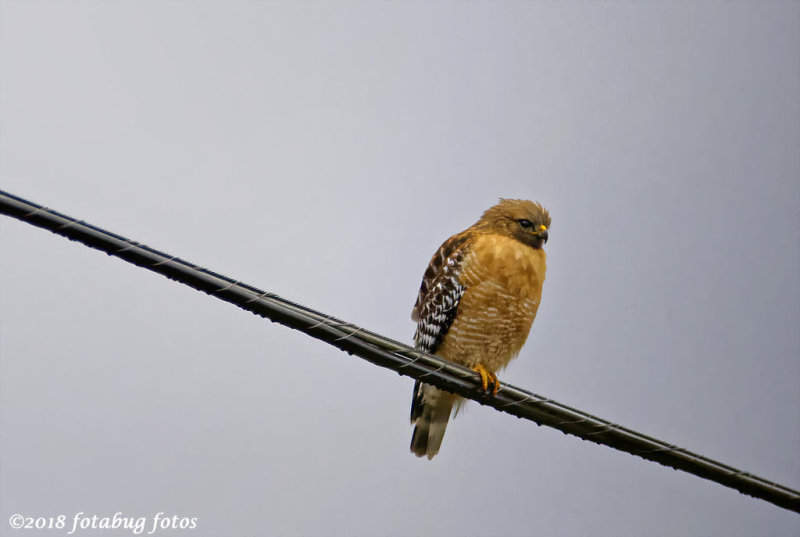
(542, 227)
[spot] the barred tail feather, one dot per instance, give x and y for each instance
(430, 412)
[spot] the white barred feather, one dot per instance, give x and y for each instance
(439, 306)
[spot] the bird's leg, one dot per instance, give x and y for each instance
(486, 378)
(495, 383)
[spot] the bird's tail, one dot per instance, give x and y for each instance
(430, 411)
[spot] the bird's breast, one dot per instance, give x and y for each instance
(503, 280)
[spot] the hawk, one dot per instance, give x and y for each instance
(477, 302)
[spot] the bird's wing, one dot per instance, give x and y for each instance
(453, 245)
(435, 310)
(440, 293)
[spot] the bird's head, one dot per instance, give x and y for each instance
(523, 220)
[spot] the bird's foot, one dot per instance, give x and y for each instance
(487, 377)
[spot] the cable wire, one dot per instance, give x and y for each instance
(399, 357)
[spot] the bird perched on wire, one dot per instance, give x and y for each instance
(477, 302)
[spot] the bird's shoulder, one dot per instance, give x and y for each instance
(444, 268)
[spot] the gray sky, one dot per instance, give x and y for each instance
(323, 151)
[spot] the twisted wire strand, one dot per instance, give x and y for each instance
(399, 357)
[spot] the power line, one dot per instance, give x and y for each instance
(401, 358)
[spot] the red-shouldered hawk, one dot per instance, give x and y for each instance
(476, 305)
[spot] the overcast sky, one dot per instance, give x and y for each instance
(323, 151)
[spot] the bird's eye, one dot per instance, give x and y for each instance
(526, 224)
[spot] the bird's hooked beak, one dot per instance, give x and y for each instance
(542, 233)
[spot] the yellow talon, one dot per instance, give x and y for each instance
(487, 377)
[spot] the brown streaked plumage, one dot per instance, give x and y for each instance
(476, 304)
